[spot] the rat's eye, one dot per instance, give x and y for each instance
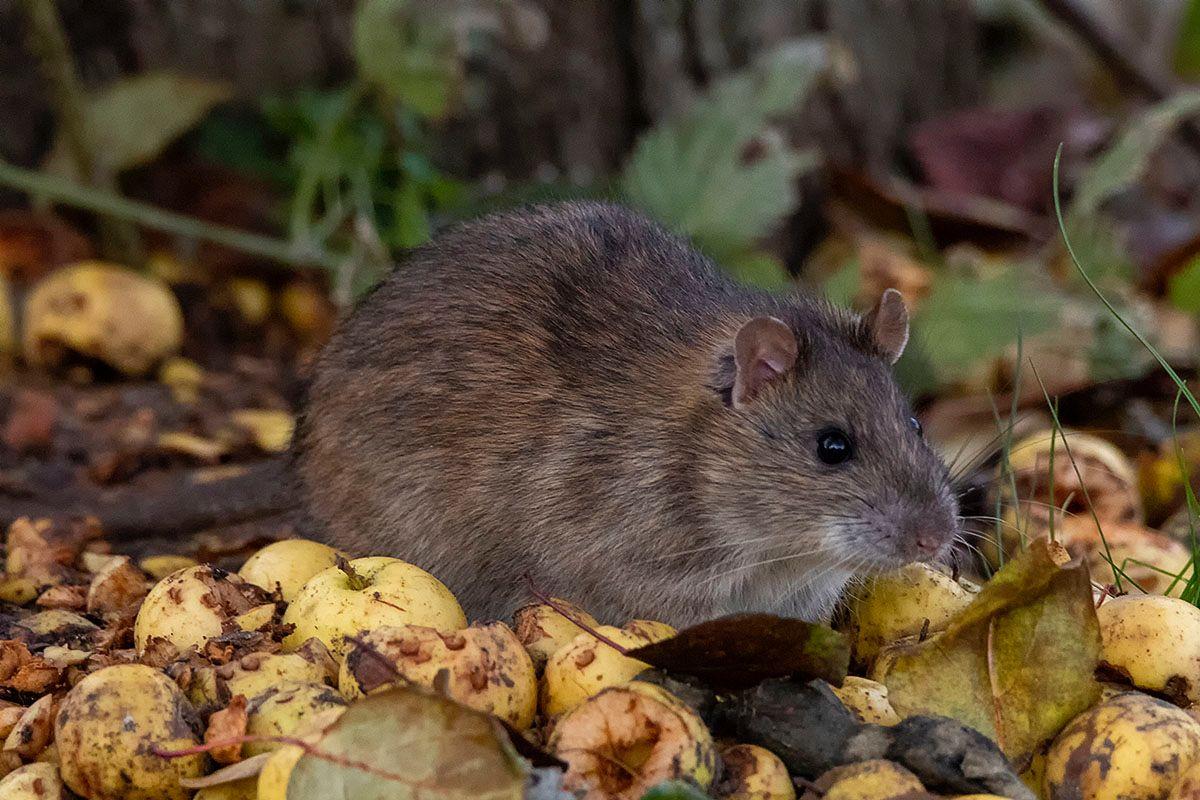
(834, 446)
(916, 425)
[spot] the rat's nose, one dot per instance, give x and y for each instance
(927, 541)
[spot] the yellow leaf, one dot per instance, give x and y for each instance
(1017, 663)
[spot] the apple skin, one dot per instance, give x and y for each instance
(288, 564)
(330, 608)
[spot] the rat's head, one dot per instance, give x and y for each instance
(830, 469)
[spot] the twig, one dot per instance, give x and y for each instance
(1127, 70)
(804, 783)
(113, 205)
(48, 43)
(546, 599)
(309, 749)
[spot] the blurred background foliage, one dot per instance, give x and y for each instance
(844, 146)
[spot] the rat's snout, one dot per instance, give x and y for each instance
(927, 542)
(905, 538)
(925, 539)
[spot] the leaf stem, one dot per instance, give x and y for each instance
(72, 194)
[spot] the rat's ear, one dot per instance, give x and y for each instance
(887, 325)
(764, 349)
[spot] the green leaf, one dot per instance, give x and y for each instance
(1125, 161)
(842, 285)
(411, 218)
(966, 319)
(240, 142)
(1017, 663)
(133, 119)
(405, 744)
(1183, 288)
(1187, 49)
(408, 51)
(1114, 354)
(674, 790)
(695, 174)
(758, 268)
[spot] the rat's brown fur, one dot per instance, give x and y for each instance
(548, 392)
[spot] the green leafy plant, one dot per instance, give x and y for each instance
(1183, 288)
(674, 790)
(716, 175)
(359, 155)
(966, 318)
(970, 317)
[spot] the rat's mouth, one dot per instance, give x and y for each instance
(876, 547)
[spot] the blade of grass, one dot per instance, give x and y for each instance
(1183, 390)
(1191, 589)
(1012, 421)
(1053, 484)
(1006, 442)
(1057, 431)
(1062, 228)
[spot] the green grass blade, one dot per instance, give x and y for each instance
(1062, 228)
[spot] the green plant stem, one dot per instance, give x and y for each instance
(49, 45)
(72, 194)
(1162, 362)
(1056, 431)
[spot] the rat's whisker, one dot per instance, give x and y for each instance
(764, 562)
(977, 535)
(780, 541)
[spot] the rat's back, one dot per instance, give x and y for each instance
(508, 402)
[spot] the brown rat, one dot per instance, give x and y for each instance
(569, 391)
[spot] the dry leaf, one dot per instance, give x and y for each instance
(406, 743)
(739, 651)
(1017, 663)
(228, 723)
(246, 768)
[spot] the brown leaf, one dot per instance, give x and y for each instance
(409, 743)
(228, 723)
(12, 655)
(952, 217)
(44, 550)
(883, 265)
(231, 594)
(117, 589)
(739, 651)
(159, 652)
(64, 596)
(23, 672)
(999, 153)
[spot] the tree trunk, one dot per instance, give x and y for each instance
(561, 89)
